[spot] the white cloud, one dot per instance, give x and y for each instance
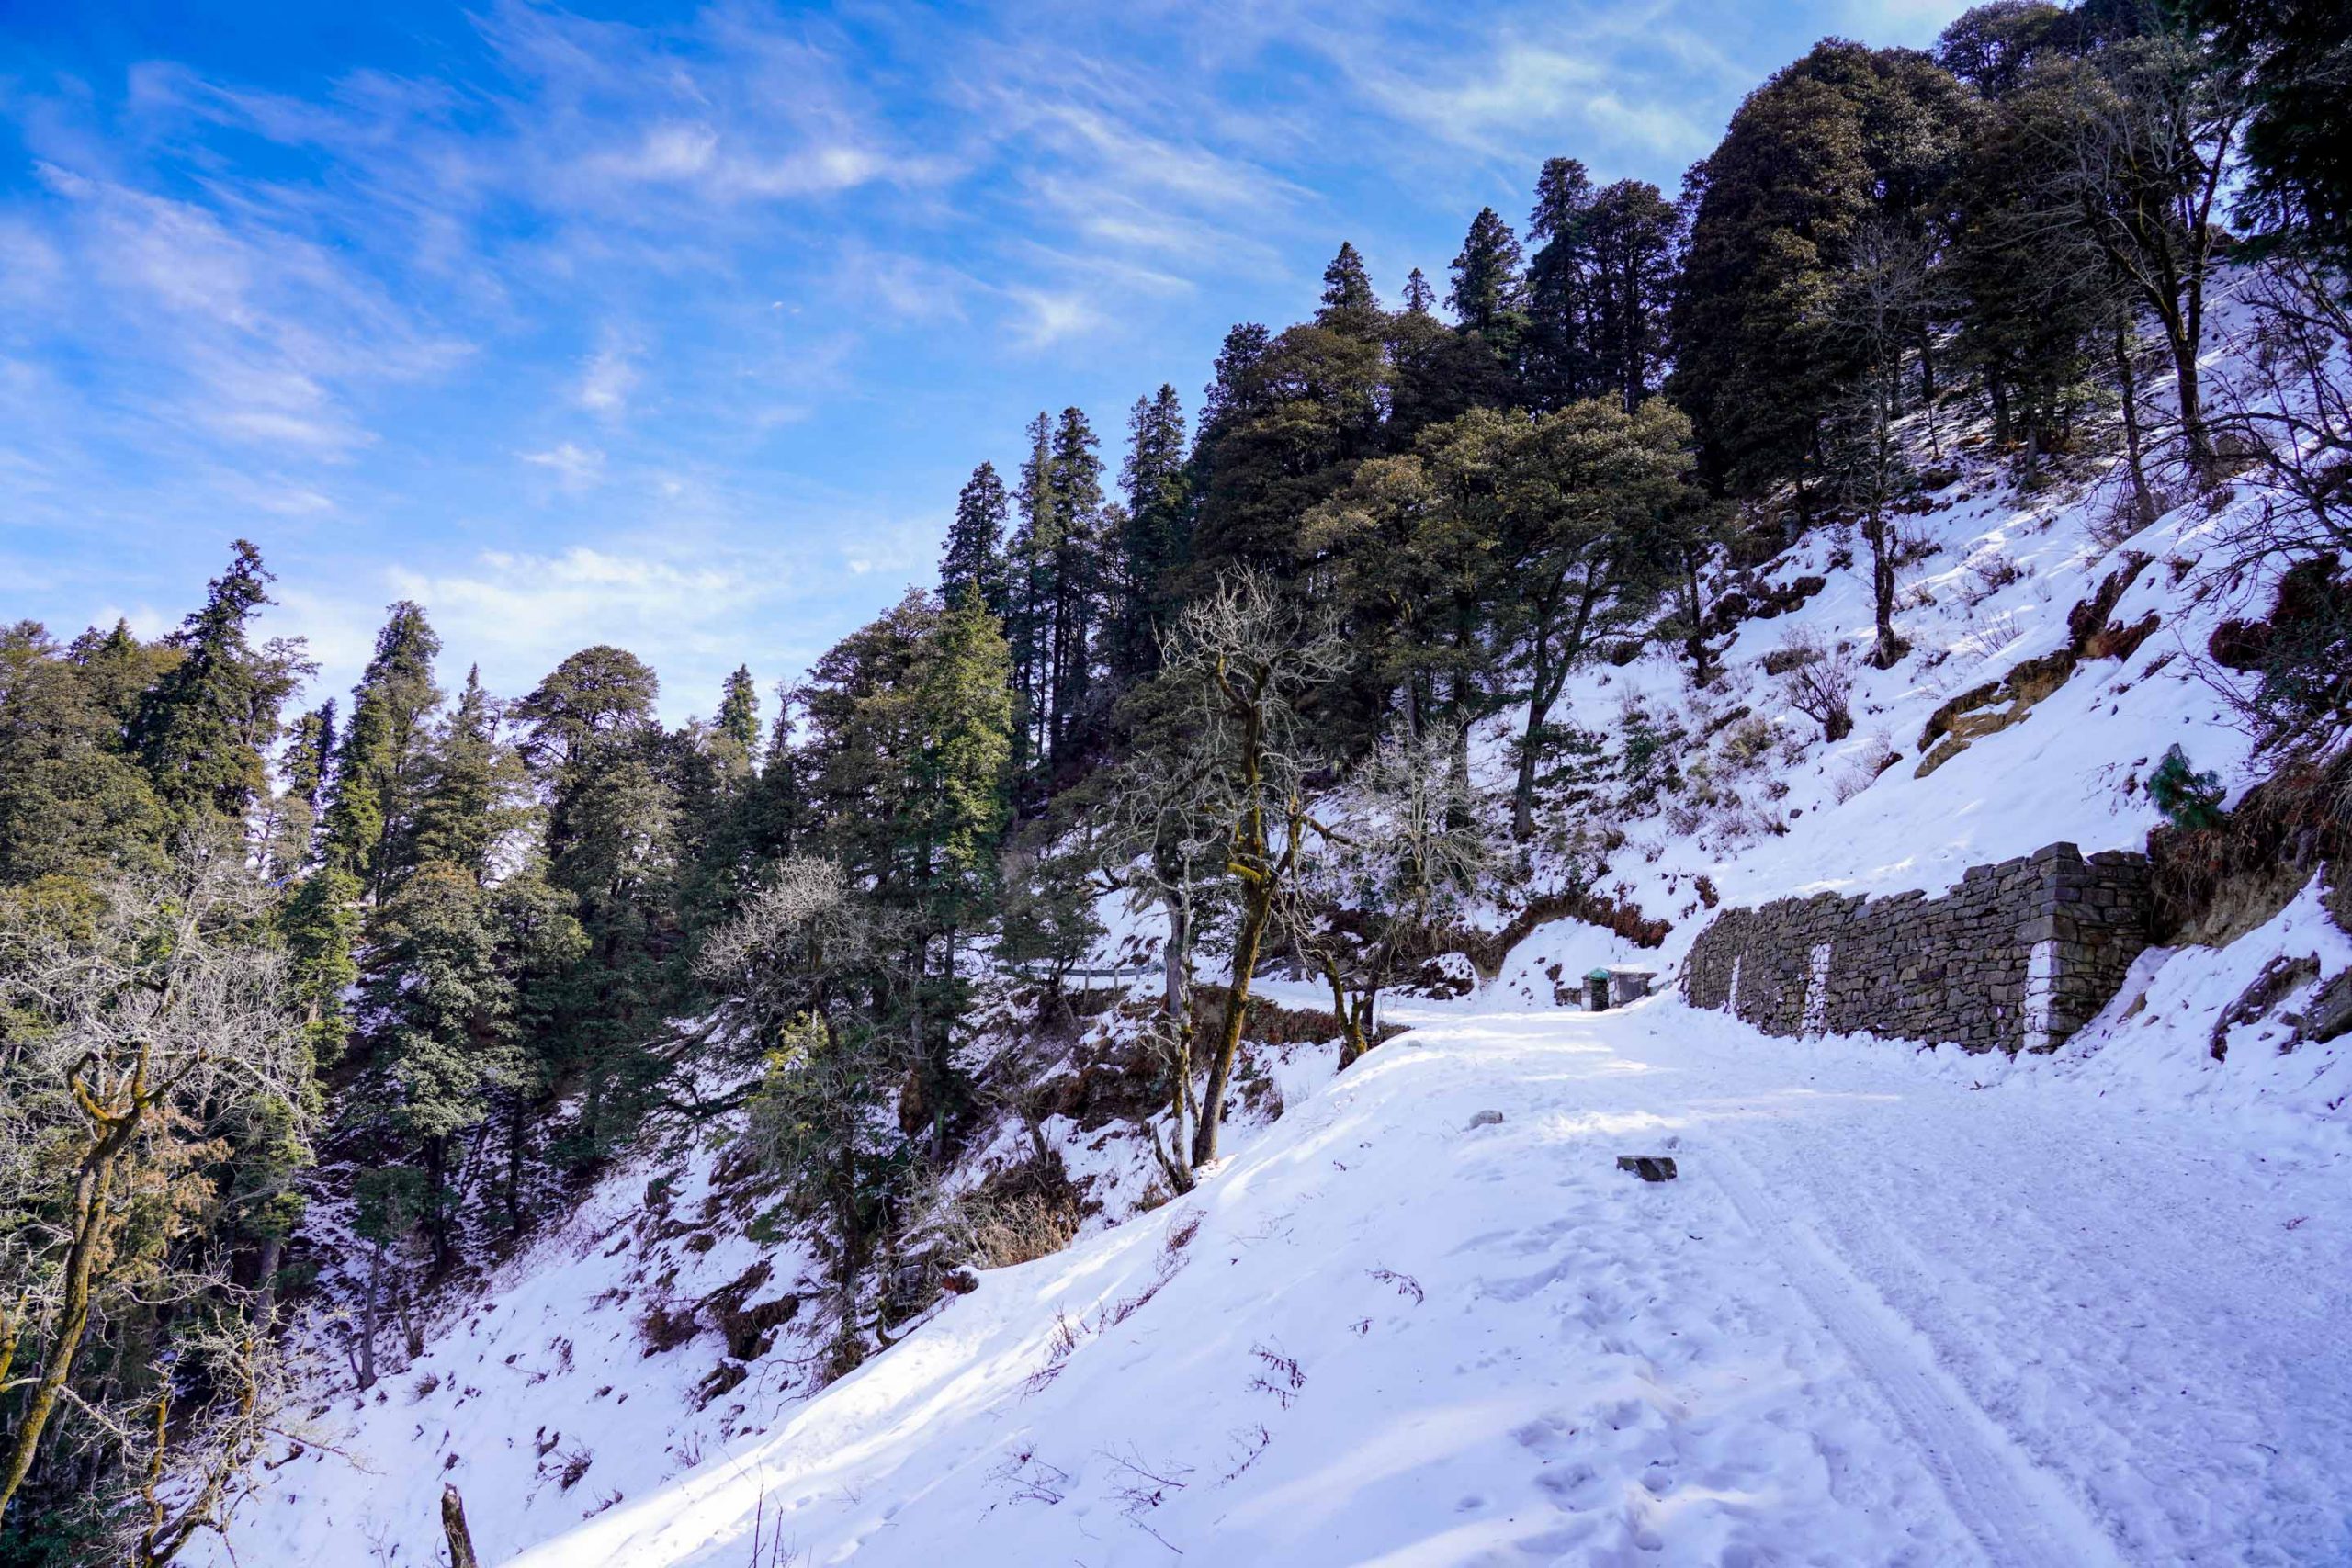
(1490, 101)
(219, 321)
(609, 377)
(577, 467)
(1052, 315)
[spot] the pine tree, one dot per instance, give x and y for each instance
(1034, 554)
(440, 1016)
(1079, 580)
(290, 843)
(739, 716)
(910, 740)
(71, 799)
(774, 815)
(974, 559)
(2295, 57)
(319, 921)
(386, 757)
(1283, 431)
(465, 805)
(203, 729)
(605, 769)
(1235, 388)
(1560, 355)
(1632, 241)
(1349, 305)
(1487, 298)
(1156, 538)
(1419, 294)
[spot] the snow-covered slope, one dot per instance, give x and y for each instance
(1900, 1306)
(1890, 1313)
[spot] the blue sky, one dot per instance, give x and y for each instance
(679, 326)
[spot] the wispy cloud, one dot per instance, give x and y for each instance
(1049, 316)
(255, 333)
(576, 466)
(609, 377)
(767, 279)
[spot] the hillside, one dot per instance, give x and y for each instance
(1902, 1305)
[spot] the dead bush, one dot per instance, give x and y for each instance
(665, 1327)
(1027, 1212)
(1819, 683)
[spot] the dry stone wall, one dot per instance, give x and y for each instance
(2017, 957)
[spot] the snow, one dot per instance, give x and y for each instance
(1900, 1306)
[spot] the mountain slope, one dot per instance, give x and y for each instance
(1882, 1317)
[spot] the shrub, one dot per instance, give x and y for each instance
(2190, 800)
(1819, 683)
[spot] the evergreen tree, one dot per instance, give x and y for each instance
(467, 803)
(1561, 362)
(290, 843)
(910, 740)
(1034, 554)
(387, 753)
(319, 921)
(118, 668)
(1236, 386)
(774, 815)
(715, 769)
(1081, 578)
(440, 1022)
(1419, 294)
(1845, 136)
(204, 728)
(738, 719)
(974, 559)
(1593, 499)
(1992, 47)
(2295, 57)
(1631, 243)
(612, 825)
(1156, 537)
(1287, 423)
(1349, 305)
(1489, 298)
(73, 800)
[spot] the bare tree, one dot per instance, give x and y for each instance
(2141, 160)
(2289, 407)
(1880, 304)
(143, 1022)
(1247, 657)
(1368, 901)
(1164, 847)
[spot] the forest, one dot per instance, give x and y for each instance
(387, 980)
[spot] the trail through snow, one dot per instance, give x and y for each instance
(1885, 1317)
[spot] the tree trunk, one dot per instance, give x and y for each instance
(1695, 643)
(439, 1215)
(514, 1167)
(453, 1525)
(273, 1249)
(369, 1310)
(92, 1214)
(1258, 906)
(1890, 647)
(2144, 505)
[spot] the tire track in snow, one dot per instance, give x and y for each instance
(2017, 1511)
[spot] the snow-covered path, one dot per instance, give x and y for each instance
(1882, 1317)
